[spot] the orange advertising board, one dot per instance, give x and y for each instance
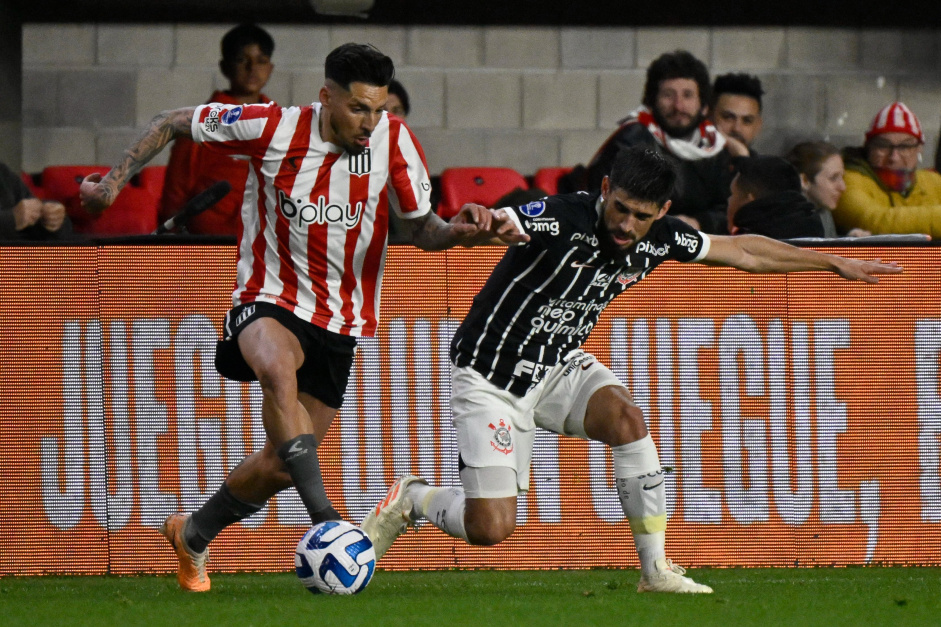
(801, 415)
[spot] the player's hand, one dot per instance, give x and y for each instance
(26, 213)
(472, 218)
(95, 194)
(862, 270)
(53, 215)
(504, 228)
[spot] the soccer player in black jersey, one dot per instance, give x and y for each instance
(518, 364)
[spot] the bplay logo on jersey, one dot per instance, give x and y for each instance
(320, 213)
(533, 209)
(231, 116)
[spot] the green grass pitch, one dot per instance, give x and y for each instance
(766, 597)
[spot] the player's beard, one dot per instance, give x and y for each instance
(606, 243)
(351, 147)
(679, 132)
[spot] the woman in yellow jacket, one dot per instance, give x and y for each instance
(885, 192)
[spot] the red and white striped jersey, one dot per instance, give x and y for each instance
(315, 218)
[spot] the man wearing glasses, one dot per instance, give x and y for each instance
(885, 190)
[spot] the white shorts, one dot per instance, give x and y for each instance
(495, 429)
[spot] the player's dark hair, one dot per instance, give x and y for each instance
(644, 174)
(358, 63)
(396, 88)
(245, 35)
(677, 64)
(739, 85)
(808, 157)
(763, 175)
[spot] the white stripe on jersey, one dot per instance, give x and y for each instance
(525, 302)
(420, 188)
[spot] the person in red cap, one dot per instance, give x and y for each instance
(886, 192)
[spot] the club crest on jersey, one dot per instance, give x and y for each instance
(502, 440)
(211, 123)
(533, 209)
(626, 278)
(362, 163)
(231, 116)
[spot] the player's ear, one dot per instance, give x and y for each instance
(664, 209)
(324, 96)
(605, 187)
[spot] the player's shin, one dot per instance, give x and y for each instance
(443, 507)
(221, 510)
(640, 484)
(299, 454)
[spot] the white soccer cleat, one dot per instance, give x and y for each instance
(391, 517)
(669, 578)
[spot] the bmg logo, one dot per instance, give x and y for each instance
(321, 213)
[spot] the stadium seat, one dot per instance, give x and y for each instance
(134, 212)
(152, 178)
(483, 186)
(547, 179)
(34, 188)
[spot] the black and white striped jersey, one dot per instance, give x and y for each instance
(544, 297)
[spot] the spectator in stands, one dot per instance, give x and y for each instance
(766, 199)
(246, 63)
(736, 111)
(821, 170)
(673, 119)
(25, 217)
(398, 102)
(885, 190)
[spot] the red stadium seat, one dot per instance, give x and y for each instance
(34, 189)
(547, 179)
(483, 186)
(151, 179)
(134, 212)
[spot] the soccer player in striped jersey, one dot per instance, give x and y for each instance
(312, 247)
(518, 362)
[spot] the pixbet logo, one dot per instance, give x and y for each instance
(321, 213)
(650, 249)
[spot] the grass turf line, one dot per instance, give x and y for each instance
(765, 597)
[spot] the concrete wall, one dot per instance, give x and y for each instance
(519, 97)
(11, 71)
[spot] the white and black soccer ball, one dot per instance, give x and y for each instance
(335, 557)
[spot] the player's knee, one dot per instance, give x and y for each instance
(488, 533)
(626, 425)
(489, 521)
(275, 375)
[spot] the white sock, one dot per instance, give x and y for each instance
(639, 479)
(443, 507)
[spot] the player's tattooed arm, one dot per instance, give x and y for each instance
(473, 225)
(98, 193)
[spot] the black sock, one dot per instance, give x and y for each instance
(300, 456)
(221, 510)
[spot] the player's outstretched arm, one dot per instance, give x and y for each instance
(98, 193)
(473, 225)
(754, 253)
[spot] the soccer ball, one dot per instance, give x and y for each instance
(335, 557)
